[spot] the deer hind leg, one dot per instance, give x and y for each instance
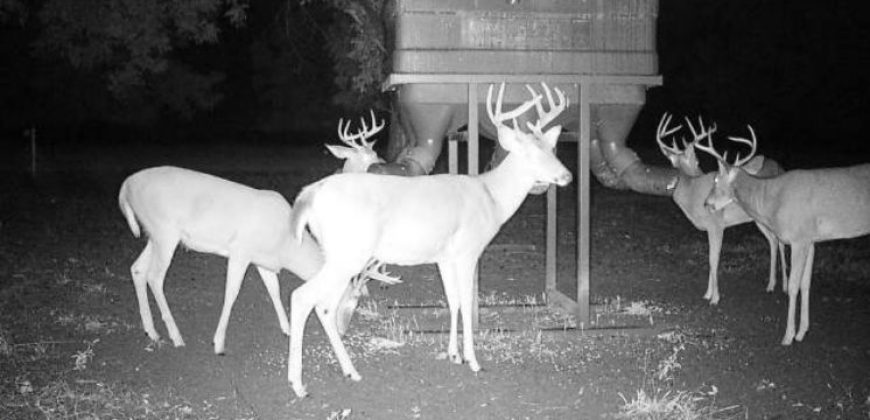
(327, 311)
(449, 279)
(798, 263)
(161, 257)
(139, 272)
(714, 240)
(805, 294)
(270, 280)
(235, 274)
(323, 292)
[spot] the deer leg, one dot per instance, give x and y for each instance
(781, 246)
(327, 312)
(451, 291)
(798, 263)
(714, 240)
(161, 256)
(301, 304)
(805, 294)
(465, 281)
(270, 280)
(302, 301)
(139, 272)
(235, 274)
(772, 242)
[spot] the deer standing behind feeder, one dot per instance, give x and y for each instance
(690, 189)
(802, 207)
(213, 215)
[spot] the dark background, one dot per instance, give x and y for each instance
(797, 71)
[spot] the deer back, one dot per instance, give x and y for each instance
(395, 219)
(213, 215)
(814, 204)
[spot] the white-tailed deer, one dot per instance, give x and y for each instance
(801, 207)
(359, 154)
(443, 219)
(216, 216)
(691, 187)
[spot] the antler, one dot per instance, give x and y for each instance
(358, 139)
(705, 132)
(497, 117)
(545, 118)
(376, 270)
(752, 143)
(708, 148)
(663, 132)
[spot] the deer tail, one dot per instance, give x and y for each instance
(127, 210)
(301, 214)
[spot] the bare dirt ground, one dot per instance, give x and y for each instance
(71, 344)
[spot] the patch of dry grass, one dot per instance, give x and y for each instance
(658, 400)
(84, 399)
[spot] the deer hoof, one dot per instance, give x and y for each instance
(300, 391)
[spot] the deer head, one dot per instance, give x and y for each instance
(358, 154)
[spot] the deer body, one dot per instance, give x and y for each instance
(690, 190)
(211, 215)
(801, 207)
(690, 194)
(399, 211)
(443, 219)
(798, 204)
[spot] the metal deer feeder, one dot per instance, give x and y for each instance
(600, 53)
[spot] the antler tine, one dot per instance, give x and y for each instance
(663, 132)
(365, 133)
(497, 116)
(752, 143)
(704, 131)
(345, 136)
(708, 148)
(376, 270)
(545, 118)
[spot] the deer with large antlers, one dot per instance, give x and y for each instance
(802, 207)
(690, 188)
(216, 216)
(443, 219)
(358, 154)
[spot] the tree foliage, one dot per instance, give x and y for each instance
(12, 11)
(360, 42)
(135, 46)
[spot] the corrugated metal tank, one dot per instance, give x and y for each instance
(532, 36)
(537, 37)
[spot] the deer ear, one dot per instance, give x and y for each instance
(340, 152)
(754, 165)
(552, 136)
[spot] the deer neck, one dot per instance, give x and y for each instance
(508, 184)
(690, 170)
(750, 193)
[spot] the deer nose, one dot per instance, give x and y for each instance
(564, 179)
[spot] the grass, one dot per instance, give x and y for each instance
(83, 399)
(658, 400)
